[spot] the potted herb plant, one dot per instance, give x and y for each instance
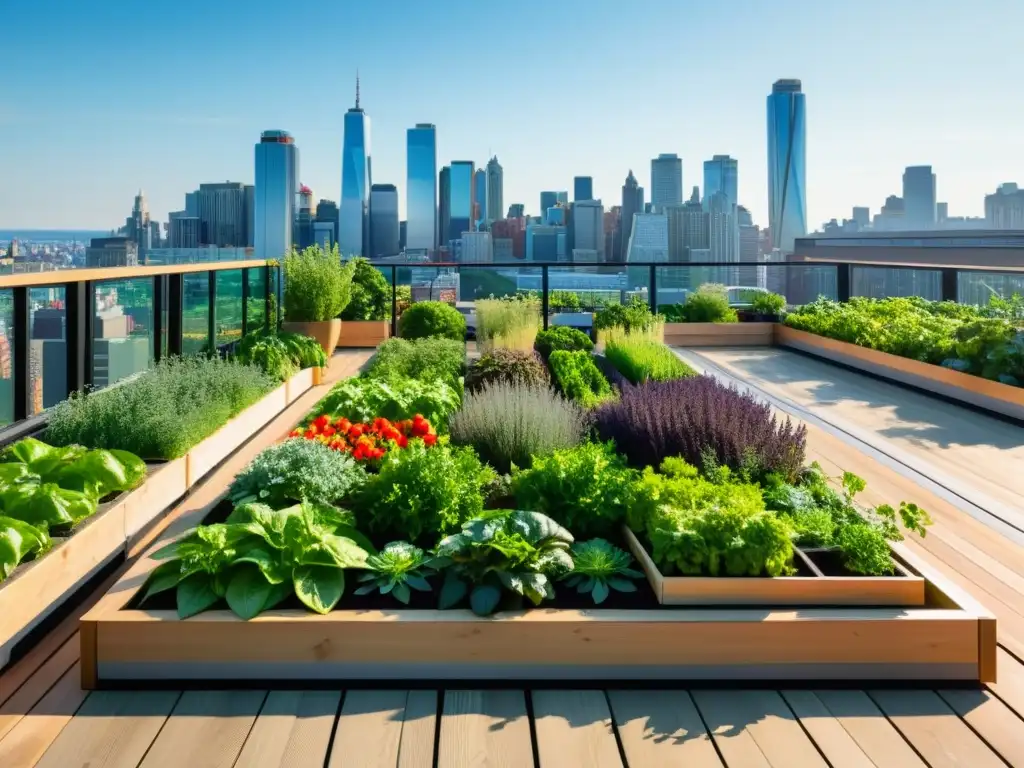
(317, 287)
(366, 319)
(766, 307)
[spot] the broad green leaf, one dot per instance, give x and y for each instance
(484, 599)
(26, 451)
(418, 583)
(620, 584)
(247, 591)
(319, 587)
(164, 577)
(46, 505)
(511, 581)
(600, 592)
(350, 532)
(277, 594)
(15, 472)
(346, 552)
(270, 565)
(195, 595)
(17, 540)
(452, 592)
(99, 473)
(401, 593)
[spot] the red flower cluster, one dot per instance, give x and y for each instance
(367, 442)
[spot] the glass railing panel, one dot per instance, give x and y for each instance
(122, 330)
(47, 362)
(229, 306)
(985, 288)
(895, 282)
(6, 356)
(257, 310)
(195, 313)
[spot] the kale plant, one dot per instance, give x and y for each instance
(599, 568)
(396, 570)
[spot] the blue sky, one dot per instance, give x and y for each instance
(100, 99)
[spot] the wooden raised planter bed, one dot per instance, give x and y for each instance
(991, 395)
(719, 334)
(907, 589)
(363, 333)
(950, 638)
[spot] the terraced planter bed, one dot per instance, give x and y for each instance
(719, 334)
(364, 333)
(974, 390)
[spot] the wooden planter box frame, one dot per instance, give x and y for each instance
(952, 639)
(363, 333)
(41, 586)
(974, 390)
(906, 590)
(719, 334)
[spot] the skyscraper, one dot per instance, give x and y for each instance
(632, 203)
(223, 214)
(479, 196)
(1004, 209)
(666, 182)
(787, 164)
(356, 180)
(919, 197)
(582, 188)
(277, 174)
(548, 199)
(384, 228)
(588, 228)
(723, 238)
(721, 174)
(444, 210)
(495, 189)
(421, 188)
(460, 199)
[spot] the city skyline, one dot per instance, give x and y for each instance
(865, 125)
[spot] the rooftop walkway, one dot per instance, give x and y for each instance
(47, 720)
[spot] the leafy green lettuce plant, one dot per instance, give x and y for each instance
(397, 569)
(18, 540)
(521, 552)
(601, 567)
(578, 378)
(427, 359)
(396, 398)
(562, 337)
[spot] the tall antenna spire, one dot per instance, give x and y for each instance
(357, 89)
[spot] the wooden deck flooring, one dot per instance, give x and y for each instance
(47, 720)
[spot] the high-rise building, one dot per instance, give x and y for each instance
(862, 216)
(666, 182)
(546, 242)
(941, 213)
(892, 216)
(183, 231)
(477, 247)
(421, 187)
(562, 197)
(548, 199)
(588, 227)
(495, 189)
(444, 210)
(460, 199)
(919, 197)
(303, 232)
(648, 242)
(723, 238)
(721, 174)
(223, 214)
(516, 211)
(688, 231)
(112, 252)
(582, 188)
(749, 250)
(137, 226)
(277, 174)
(1005, 208)
(632, 203)
(356, 180)
(787, 164)
(384, 228)
(479, 197)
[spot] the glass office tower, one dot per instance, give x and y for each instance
(787, 164)
(421, 188)
(919, 197)
(460, 198)
(721, 174)
(356, 180)
(582, 188)
(277, 183)
(547, 200)
(479, 195)
(384, 225)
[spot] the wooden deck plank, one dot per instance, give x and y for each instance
(369, 731)
(740, 720)
(293, 729)
(206, 729)
(934, 730)
(112, 729)
(418, 731)
(32, 736)
(852, 732)
(996, 723)
(662, 728)
(1010, 685)
(35, 687)
(574, 728)
(485, 728)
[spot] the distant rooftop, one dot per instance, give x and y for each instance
(786, 86)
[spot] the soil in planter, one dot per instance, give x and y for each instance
(830, 562)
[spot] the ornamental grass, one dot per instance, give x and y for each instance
(507, 323)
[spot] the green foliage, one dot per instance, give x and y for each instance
(432, 318)
(767, 303)
(267, 352)
(578, 378)
(641, 360)
(422, 491)
(424, 359)
(396, 398)
(521, 552)
(396, 570)
(297, 470)
(508, 424)
(564, 301)
(509, 323)
(303, 350)
(562, 337)
(317, 285)
(258, 557)
(822, 516)
(163, 412)
(18, 540)
(511, 366)
(635, 315)
(371, 293)
(588, 488)
(708, 304)
(601, 567)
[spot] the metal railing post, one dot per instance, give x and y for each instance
(245, 301)
(394, 300)
(652, 289)
(267, 288)
(211, 315)
(950, 284)
(545, 294)
(78, 334)
(175, 313)
(843, 273)
(22, 351)
(159, 281)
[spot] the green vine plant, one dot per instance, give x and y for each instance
(601, 567)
